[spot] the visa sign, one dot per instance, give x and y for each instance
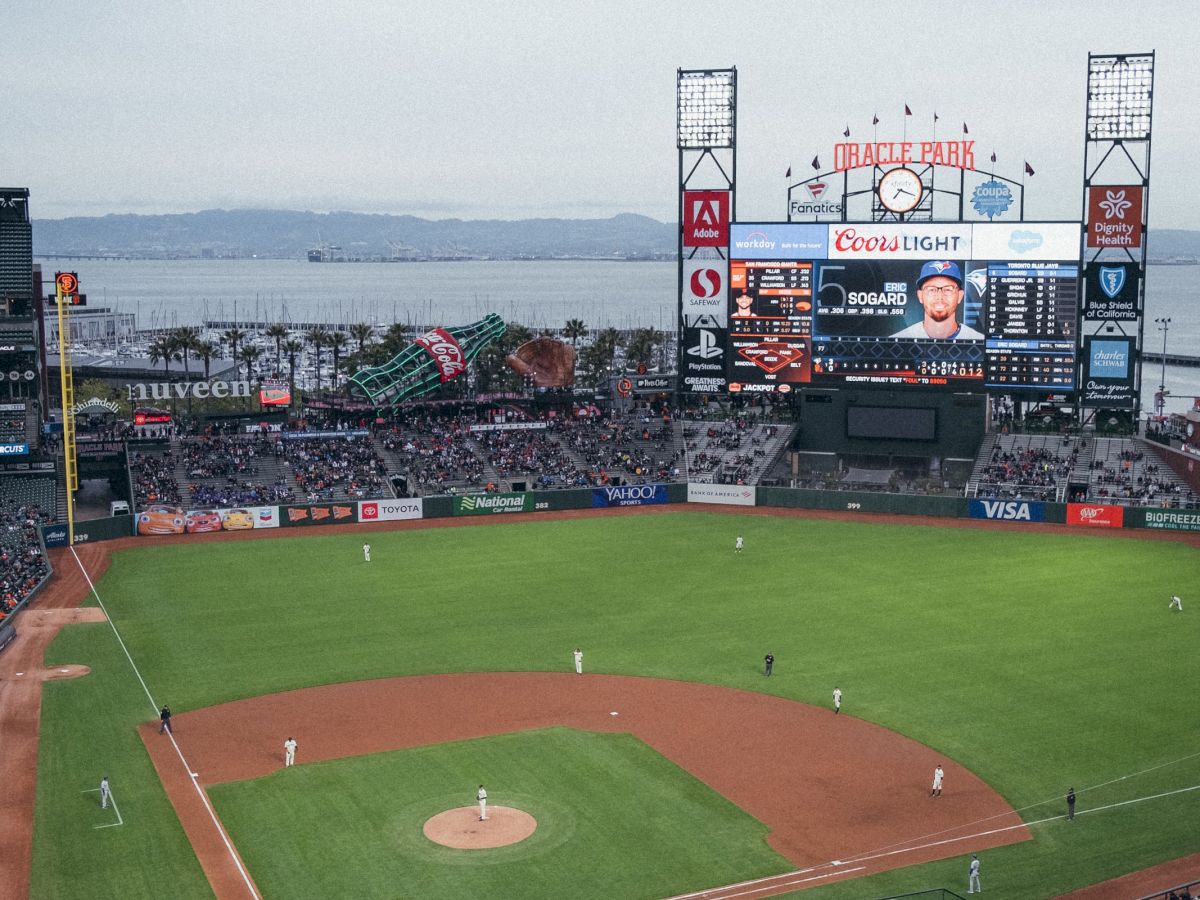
(1008, 510)
(629, 495)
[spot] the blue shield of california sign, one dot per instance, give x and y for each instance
(1112, 279)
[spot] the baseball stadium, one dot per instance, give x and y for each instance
(872, 575)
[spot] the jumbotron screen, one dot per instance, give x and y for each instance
(955, 305)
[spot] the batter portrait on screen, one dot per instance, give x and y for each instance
(940, 292)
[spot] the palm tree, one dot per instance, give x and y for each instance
(292, 348)
(361, 332)
(608, 341)
(316, 337)
(186, 339)
(574, 329)
(277, 333)
(337, 341)
(641, 345)
(206, 350)
(233, 337)
(162, 348)
(250, 354)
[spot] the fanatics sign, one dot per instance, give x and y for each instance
(706, 218)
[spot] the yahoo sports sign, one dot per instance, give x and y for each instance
(629, 495)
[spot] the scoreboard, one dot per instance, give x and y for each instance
(954, 305)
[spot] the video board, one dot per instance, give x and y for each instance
(964, 306)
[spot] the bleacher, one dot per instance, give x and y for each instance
(34, 489)
(1128, 472)
(1026, 466)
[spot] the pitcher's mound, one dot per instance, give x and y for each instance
(461, 829)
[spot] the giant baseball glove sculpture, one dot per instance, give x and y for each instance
(550, 362)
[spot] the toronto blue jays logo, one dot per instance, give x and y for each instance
(1112, 279)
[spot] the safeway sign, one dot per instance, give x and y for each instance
(705, 218)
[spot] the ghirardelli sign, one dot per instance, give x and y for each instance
(181, 390)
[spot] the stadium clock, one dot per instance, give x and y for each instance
(900, 190)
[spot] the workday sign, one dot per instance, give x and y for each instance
(1008, 510)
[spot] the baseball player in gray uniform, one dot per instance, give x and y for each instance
(289, 752)
(481, 796)
(105, 793)
(973, 876)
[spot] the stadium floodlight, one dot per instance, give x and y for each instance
(706, 108)
(1119, 96)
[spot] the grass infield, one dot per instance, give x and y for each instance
(1038, 660)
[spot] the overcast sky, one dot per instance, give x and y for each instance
(514, 110)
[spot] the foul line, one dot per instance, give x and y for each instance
(113, 801)
(763, 885)
(154, 708)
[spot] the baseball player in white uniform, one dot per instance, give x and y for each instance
(366, 552)
(936, 790)
(578, 654)
(737, 545)
(289, 752)
(837, 700)
(1175, 603)
(105, 793)
(481, 796)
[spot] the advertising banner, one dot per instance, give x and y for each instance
(778, 240)
(1008, 510)
(705, 282)
(702, 369)
(54, 535)
(705, 218)
(1108, 372)
(1112, 291)
(319, 514)
(903, 241)
(14, 449)
(489, 504)
(1115, 216)
(725, 494)
(1096, 515)
(390, 510)
(1025, 240)
(1165, 519)
(629, 495)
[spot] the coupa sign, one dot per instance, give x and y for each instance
(1008, 510)
(629, 495)
(181, 390)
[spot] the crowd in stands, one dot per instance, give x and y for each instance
(153, 479)
(1135, 480)
(1031, 472)
(23, 566)
(436, 451)
(324, 467)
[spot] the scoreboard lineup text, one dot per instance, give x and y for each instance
(815, 303)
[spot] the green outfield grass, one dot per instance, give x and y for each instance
(1037, 660)
(601, 802)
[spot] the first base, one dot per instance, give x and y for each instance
(614, 713)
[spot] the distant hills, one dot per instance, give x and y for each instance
(244, 233)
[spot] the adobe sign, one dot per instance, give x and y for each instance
(705, 218)
(1115, 215)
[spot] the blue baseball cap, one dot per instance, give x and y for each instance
(943, 267)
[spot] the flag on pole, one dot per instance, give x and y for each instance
(935, 116)
(965, 131)
(846, 133)
(993, 156)
(1028, 168)
(816, 163)
(875, 119)
(788, 173)
(907, 111)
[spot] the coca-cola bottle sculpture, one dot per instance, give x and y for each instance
(432, 359)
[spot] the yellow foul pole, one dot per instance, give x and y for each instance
(66, 286)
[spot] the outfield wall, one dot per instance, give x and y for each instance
(355, 512)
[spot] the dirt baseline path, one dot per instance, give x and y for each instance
(829, 787)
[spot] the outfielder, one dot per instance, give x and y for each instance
(837, 700)
(289, 752)
(1175, 603)
(737, 545)
(366, 552)
(973, 876)
(481, 796)
(105, 793)
(578, 654)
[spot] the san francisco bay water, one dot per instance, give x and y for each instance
(541, 294)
